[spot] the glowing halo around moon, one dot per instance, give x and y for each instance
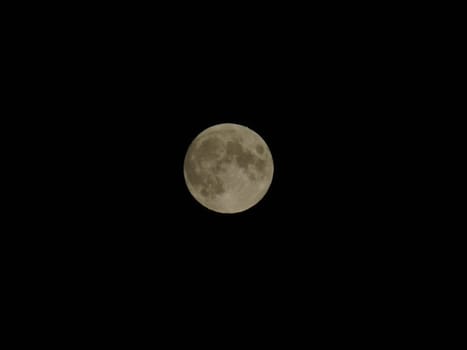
(228, 168)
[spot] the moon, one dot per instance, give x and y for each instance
(228, 168)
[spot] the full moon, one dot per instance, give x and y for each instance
(228, 168)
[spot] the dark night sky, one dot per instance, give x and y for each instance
(324, 93)
(328, 196)
(321, 95)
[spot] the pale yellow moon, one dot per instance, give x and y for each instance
(228, 168)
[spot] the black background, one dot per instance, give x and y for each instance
(123, 94)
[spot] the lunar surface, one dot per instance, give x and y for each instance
(228, 168)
